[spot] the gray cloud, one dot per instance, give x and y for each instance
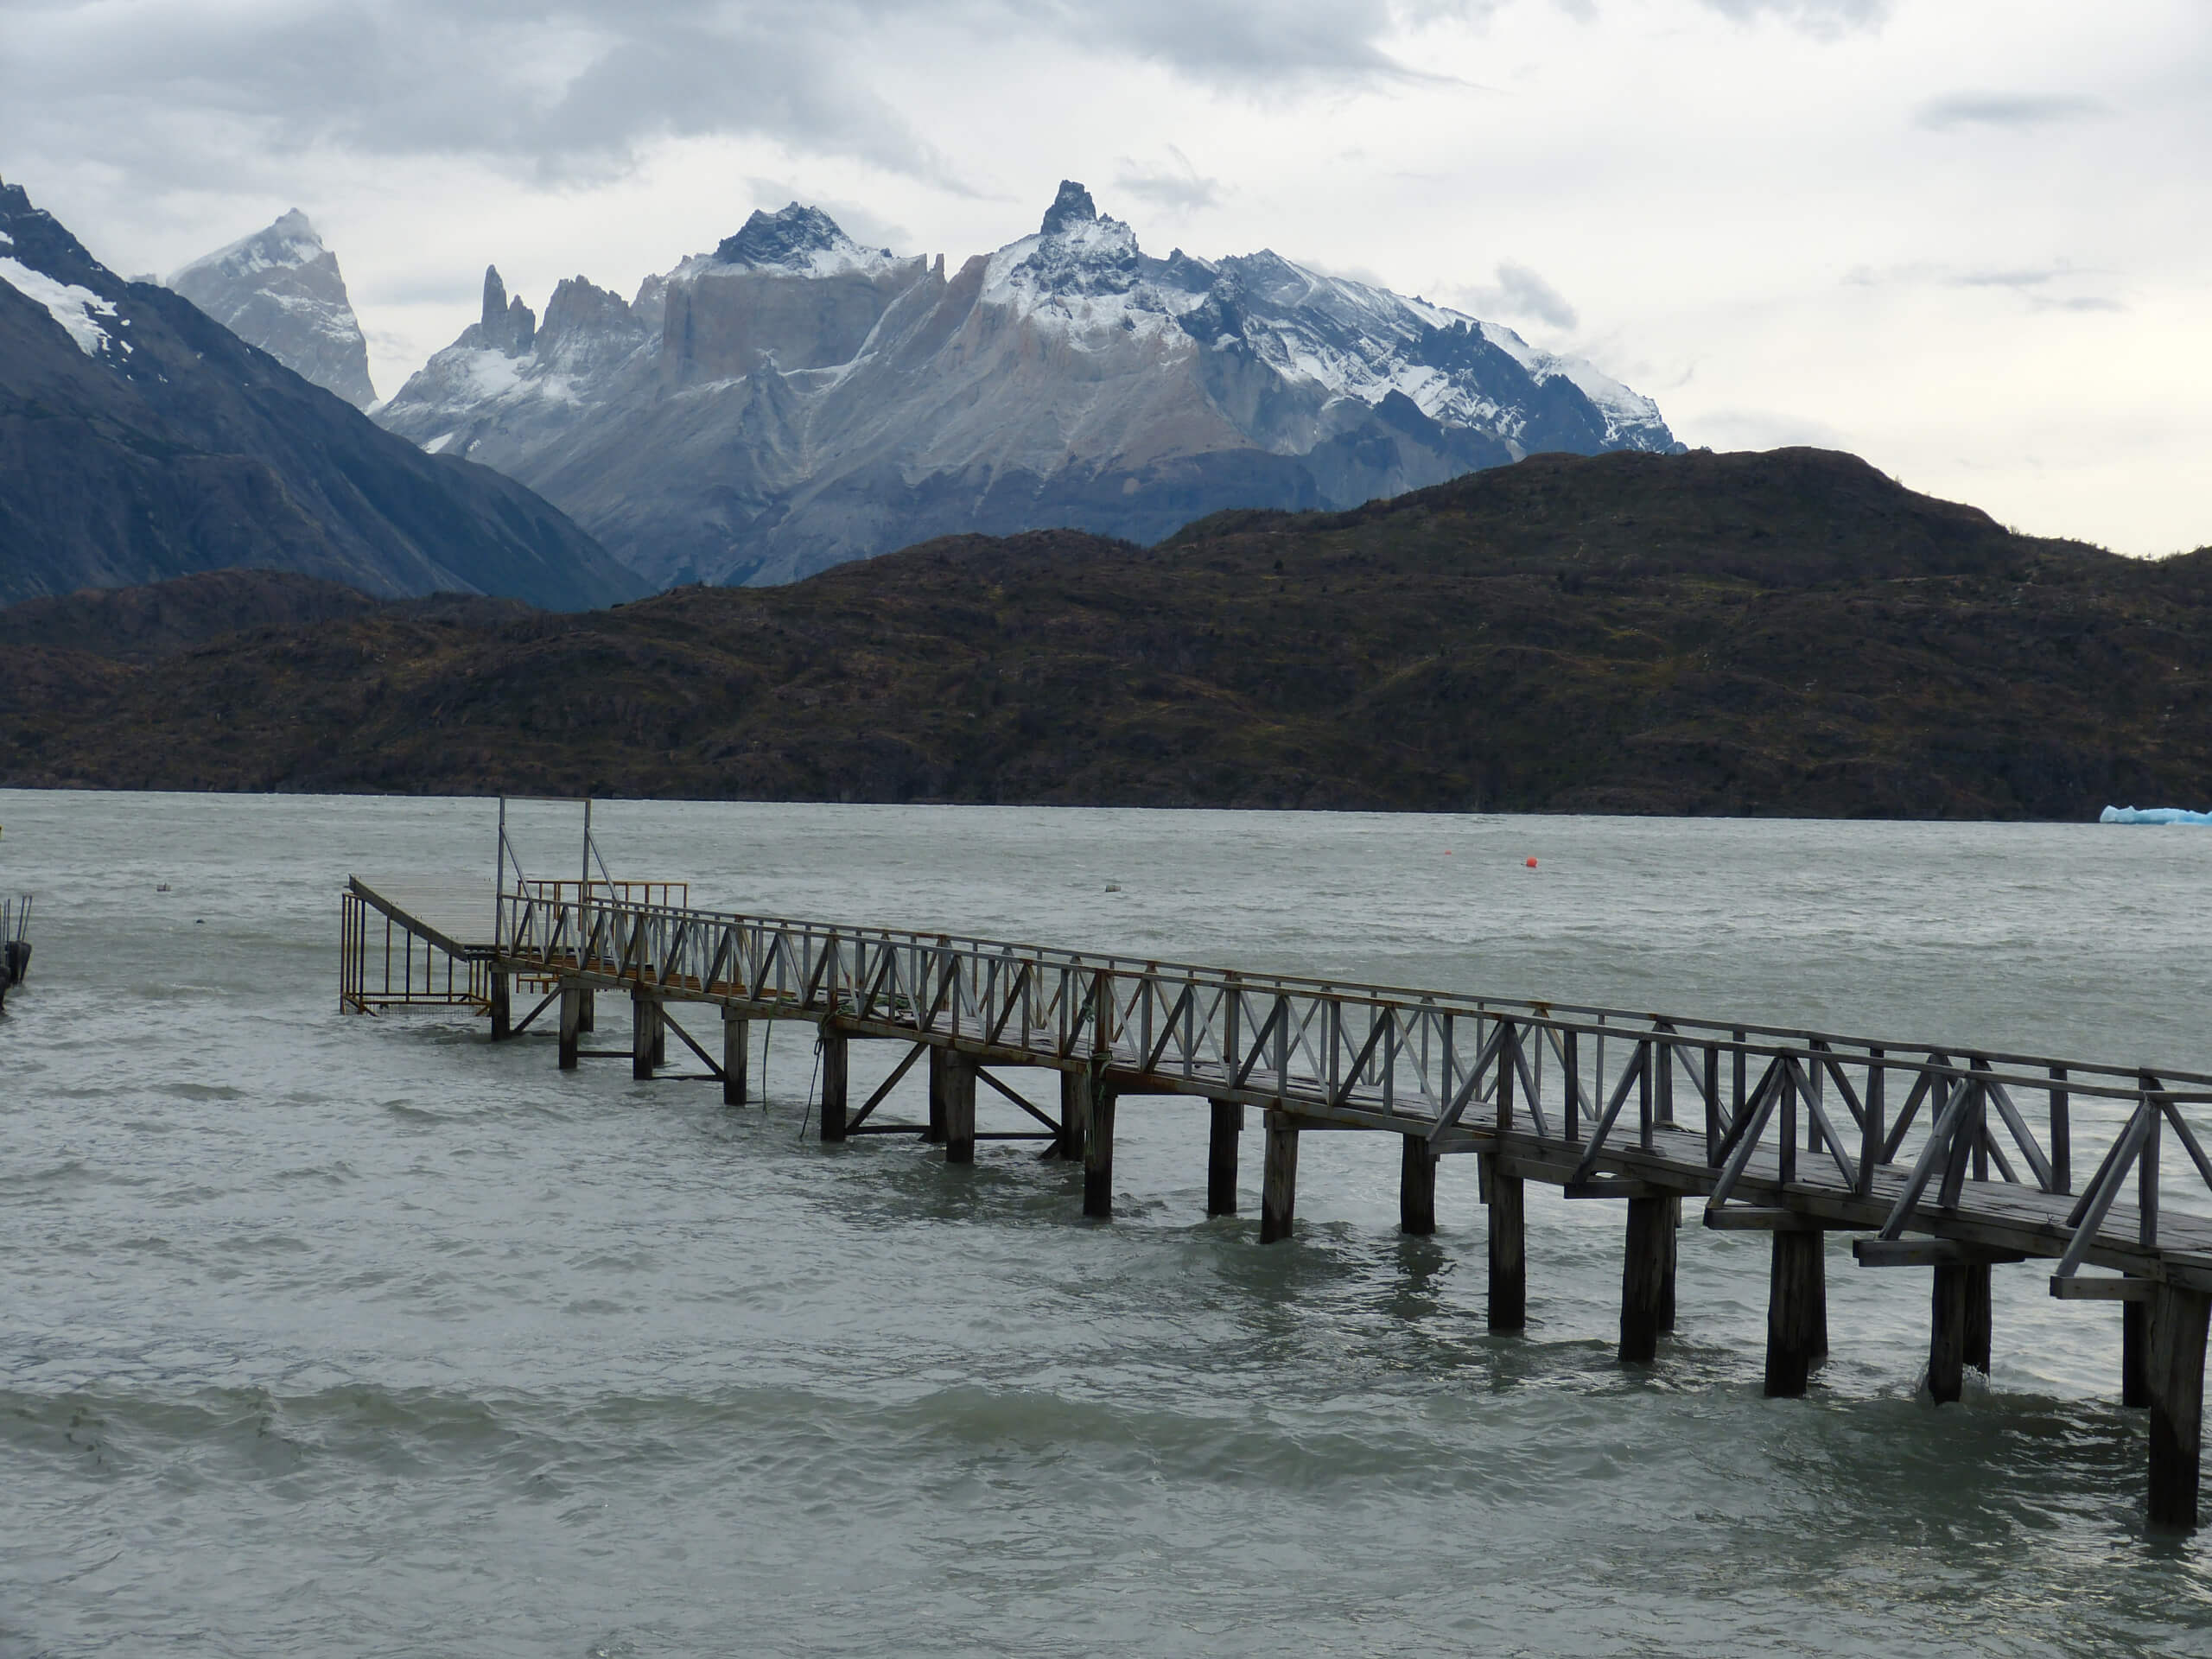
(2026, 278)
(575, 89)
(1520, 292)
(1818, 16)
(2004, 110)
(1249, 43)
(2032, 283)
(1177, 189)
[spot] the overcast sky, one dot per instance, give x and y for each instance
(1970, 241)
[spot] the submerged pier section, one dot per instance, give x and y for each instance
(1946, 1159)
(14, 943)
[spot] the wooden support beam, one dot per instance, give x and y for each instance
(2101, 1287)
(836, 1081)
(2176, 1374)
(2135, 1351)
(1612, 1186)
(1098, 1150)
(571, 1022)
(1946, 1334)
(939, 1059)
(1223, 1144)
(1416, 1187)
(502, 1013)
(959, 1107)
(1797, 1311)
(1648, 1277)
(1279, 1179)
(587, 1015)
(1074, 1095)
(1509, 1261)
(1927, 1253)
(1762, 1219)
(645, 1036)
(737, 1051)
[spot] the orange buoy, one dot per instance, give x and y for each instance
(1532, 863)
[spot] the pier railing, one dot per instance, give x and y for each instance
(1901, 1126)
(14, 942)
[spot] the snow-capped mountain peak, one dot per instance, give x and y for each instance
(286, 245)
(800, 240)
(793, 399)
(281, 289)
(1077, 259)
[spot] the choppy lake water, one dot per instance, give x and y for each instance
(336, 1336)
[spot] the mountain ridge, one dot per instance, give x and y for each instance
(794, 399)
(140, 438)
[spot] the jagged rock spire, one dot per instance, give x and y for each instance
(495, 300)
(1073, 206)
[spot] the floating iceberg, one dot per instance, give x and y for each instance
(2153, 815)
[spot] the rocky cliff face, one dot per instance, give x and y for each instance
(280, 289)
(140, 440)
(793, 399)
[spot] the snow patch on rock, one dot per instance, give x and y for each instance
(77, 309)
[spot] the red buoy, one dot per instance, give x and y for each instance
(1532, 863)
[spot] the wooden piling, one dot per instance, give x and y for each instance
(836, 1081)
(1796, 1303)
(1647, 1278)
(1278, 1178)
(939, 1058)
(1976, 1352)
(1416, 1187)
(1222, 1147)
(1820, 1352)
(1098, 1152)
(1946, 1335)
(644, 1032)
(2176, 1374)
(571, 1023)
(2135, 1354)
(1075, 1094)
(1508, 1259)
(737, 1051)
(502, 1012)
(959, 1107)
(586, 1018)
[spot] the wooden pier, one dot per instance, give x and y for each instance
(15, 943)
(1942, 1158)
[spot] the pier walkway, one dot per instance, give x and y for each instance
(1940, 1156)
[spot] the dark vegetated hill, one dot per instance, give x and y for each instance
(1780, 633)
(140, 624)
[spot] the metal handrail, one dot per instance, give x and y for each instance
(1428, 1061)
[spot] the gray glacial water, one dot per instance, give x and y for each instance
(336, 1336)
